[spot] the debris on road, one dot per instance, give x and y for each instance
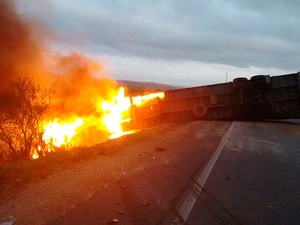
(7, 223)
(160, 148)
(114, 221)
(122, 172)
(106, 185)
(144, 202)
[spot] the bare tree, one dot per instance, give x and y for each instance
(22, 107)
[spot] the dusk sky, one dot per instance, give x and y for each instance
(184, 43)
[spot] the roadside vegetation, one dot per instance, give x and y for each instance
(23, 105)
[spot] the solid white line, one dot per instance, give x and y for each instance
(207, 170)
(190, 200)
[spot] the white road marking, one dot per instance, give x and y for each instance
(261, 140)
(191, 198)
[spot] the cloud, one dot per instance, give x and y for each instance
(178, 73)
(260, 34)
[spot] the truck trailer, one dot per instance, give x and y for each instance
(257, 98)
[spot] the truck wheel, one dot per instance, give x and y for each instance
(240, 79)
(259, 79)
(200, 110)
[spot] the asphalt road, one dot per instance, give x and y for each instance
(149, 192)
(255, 180)
(202, 172)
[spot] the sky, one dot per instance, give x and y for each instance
(177, 42)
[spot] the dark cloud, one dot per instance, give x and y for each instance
(238, 33)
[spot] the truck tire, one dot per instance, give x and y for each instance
(259, 79)
(240, 79)
(200, 110)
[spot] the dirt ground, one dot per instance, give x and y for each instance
(180, 148)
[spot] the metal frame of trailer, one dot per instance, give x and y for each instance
(261, 97)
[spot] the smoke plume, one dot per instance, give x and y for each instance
(19, 51)
(24, 54)
(79, 89)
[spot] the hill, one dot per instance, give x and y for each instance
(136, 87)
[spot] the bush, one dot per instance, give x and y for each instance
(22, 107)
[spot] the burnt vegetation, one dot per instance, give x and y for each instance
(23, 102)
(22, 108)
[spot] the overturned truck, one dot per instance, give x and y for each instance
(261, 97)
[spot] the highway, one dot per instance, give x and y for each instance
(256, 178)
(156, 173)
(251, 177)
(200, 172)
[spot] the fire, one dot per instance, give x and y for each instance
(116, 112)
(140, 100)
(60, 133)
(35, 155)
(111, 117)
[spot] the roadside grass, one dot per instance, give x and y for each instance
(15, 175)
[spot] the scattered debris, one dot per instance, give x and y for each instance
(101, 152)
(106, 185)
(122, 171)
(144, 202)
(7, 223)
(160, 148)
(124, 186)
(140, 168)
(114, 221)
(176, 221)
(121, 213)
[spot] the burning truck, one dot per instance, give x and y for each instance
(261, 97)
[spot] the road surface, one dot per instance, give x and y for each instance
(148, 195)
(201, 172)
(137, 180)
(256, 178)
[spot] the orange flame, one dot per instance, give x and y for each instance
(112, 115)
(35, 155)
(60, 133)
(140, 100)
(116, 112)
